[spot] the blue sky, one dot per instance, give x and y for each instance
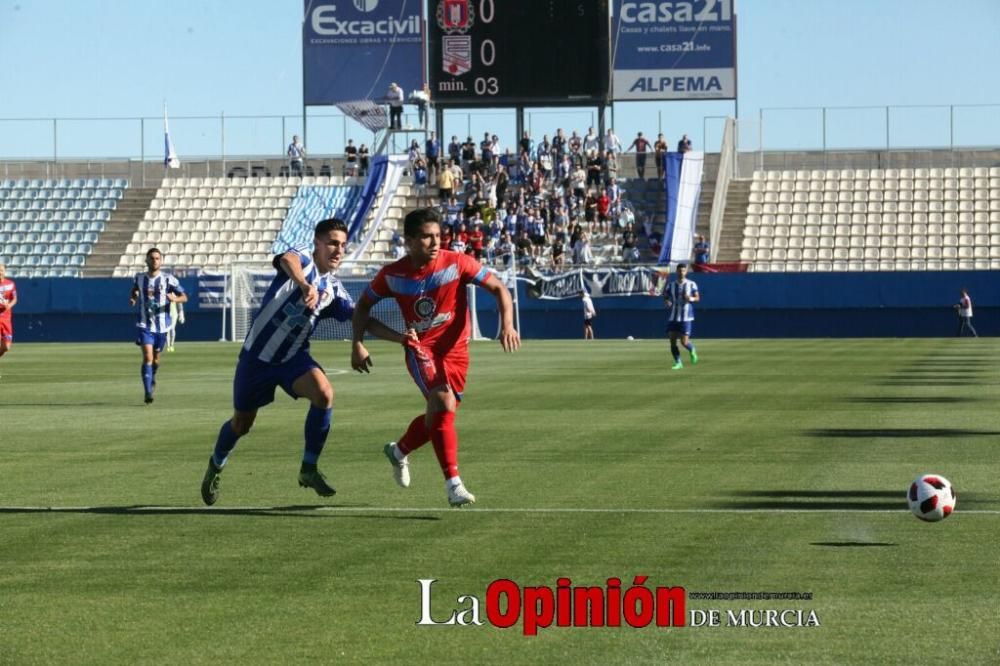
(123, 58)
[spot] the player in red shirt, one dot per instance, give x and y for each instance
(8, 299)
(429, 287)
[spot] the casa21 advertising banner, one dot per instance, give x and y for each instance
(353, 49)
(679, 49)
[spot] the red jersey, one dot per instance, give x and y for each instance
(7, 293)
(433, 298)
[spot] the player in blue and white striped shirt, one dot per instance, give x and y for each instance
(153, 291)
(679, 296)
(276, 352)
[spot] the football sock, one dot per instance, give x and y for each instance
(147, 377)
(675, 351)
(690, 347)
(317, 428)
(416, 435)
(445, 441)
(156, 366)
(224, 444)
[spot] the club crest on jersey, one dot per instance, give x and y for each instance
(424, 307)
(455, 15)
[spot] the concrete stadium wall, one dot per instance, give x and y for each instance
(734, 305)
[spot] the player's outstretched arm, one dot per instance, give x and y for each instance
(510, 340)
(292, 265)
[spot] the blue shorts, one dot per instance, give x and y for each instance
(145, 337)
(255, 381)
(682, 327)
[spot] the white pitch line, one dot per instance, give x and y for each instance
(388, 509)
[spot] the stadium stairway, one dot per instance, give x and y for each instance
(733, 221)
(115, 238)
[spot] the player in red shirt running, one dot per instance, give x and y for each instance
(8, 299)
(429, 287)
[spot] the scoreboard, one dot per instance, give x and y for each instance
(514, 52)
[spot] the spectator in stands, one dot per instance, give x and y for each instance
(455, 150)
(575, 143)
(526, 145)
(486, 151)
(422, 98)
(351, 158)
(296, 155)
(630, 253)
(660, 148)
(609, 166)
(468, 156)
(505, 251)
(502, 182)
(612, 143)
(684, 145)
(414, 151)
(591, 142)
(594, 167)
(559, 145)
(398, 248)
(604, 213)
(446, 183)
(394, 97)
(432, 151)
(582, 252)
(524, 249)
(641, 145)
(701, 250)
(558, 253)
(364, 161)
(589, 312)
(964, 310)
(477, 241)
(420, 177)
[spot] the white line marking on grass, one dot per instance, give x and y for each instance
(437, 509)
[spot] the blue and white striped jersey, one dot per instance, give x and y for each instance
(154, 308)
(674, 293)
(283, 325)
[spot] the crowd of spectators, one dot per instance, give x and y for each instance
(543, 204)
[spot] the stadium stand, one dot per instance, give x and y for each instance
(873, 220)
(49, 227)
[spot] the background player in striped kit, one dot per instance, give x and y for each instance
(679, 296)
(153, 291)
(429, 285)
(276, 352)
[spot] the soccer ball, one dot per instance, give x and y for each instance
(931, 497)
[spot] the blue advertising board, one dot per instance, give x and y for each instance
(353, 49)
(680, 49)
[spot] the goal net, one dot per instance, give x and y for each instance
(249, 283)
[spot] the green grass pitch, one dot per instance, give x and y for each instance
(770, 466)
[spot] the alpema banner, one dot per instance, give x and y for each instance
(674, 50)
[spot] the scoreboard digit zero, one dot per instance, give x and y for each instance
(512, 52)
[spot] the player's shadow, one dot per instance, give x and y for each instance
(853, 544)
(929, 381)
(291, 511)
(816, 500)
(911, 400)
(898, 433)
(59, 404)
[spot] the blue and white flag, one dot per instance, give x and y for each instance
(683, 189)
(170, 160)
